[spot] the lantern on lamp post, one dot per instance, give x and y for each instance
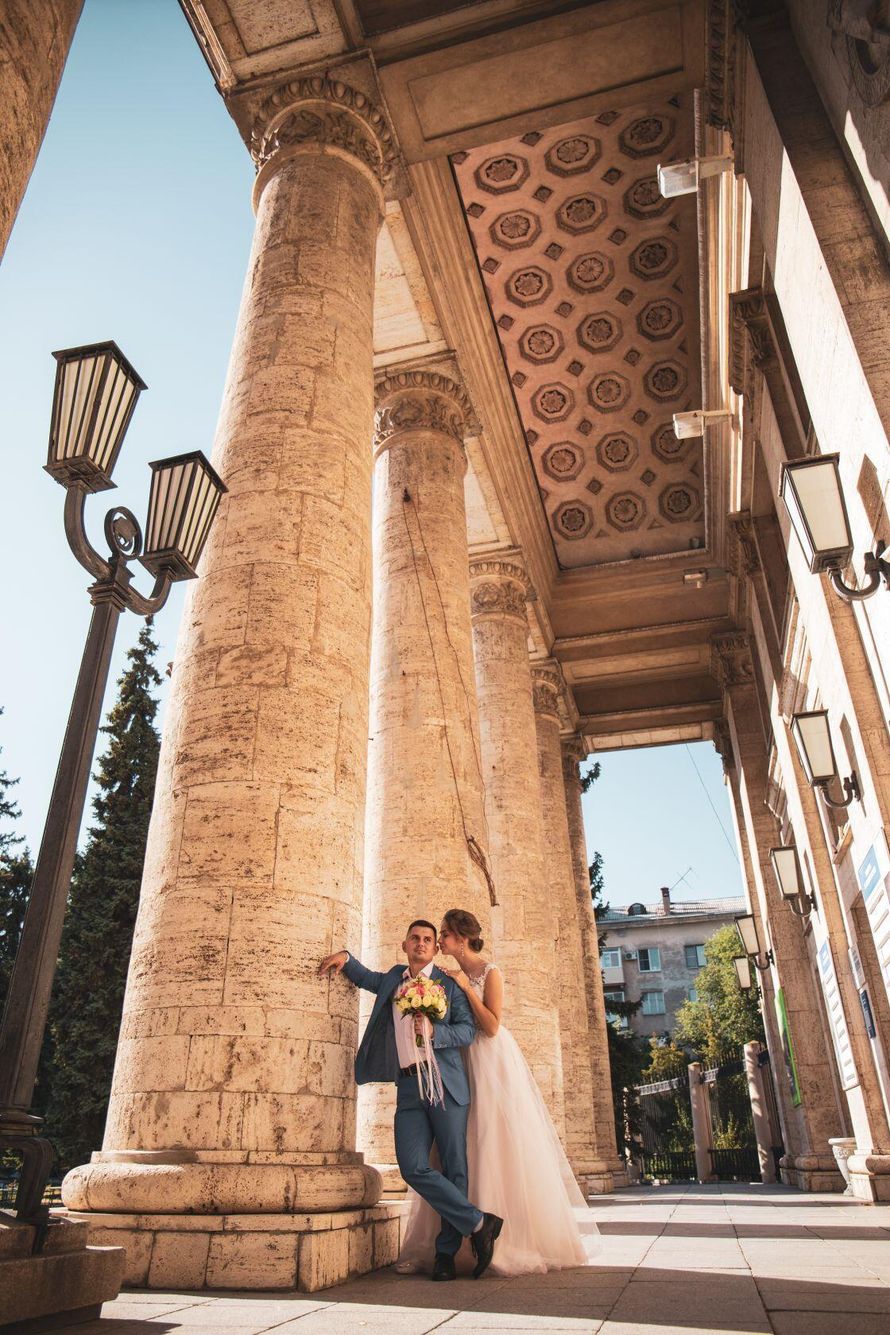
(814, 499)
(747, 930)
(812, 737)
(96, 391)
(790, 881)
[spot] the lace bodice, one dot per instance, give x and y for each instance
(479, 983)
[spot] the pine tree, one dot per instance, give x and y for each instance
(16, 873)
(96, 941)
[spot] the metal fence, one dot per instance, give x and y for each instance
(734, 1154)
(666, 1144)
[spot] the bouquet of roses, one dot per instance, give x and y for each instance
(424, 996)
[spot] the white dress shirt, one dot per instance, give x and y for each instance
(406, 1048)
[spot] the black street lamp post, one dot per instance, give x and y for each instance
(95, 394)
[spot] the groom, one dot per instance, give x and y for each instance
(388, 1052)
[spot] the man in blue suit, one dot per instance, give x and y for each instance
(388, 1052)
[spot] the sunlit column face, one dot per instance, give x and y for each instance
(813, 739)
(812, 494)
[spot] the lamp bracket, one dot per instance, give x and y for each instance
(112, 575)
(852, 792)
(876, 569)
(803, 906)
(755, 960)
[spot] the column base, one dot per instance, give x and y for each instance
(394, 1185)
(302, 1252)
(869, 1177)
(811, 1172)
(175, 1182)
(65, 1283)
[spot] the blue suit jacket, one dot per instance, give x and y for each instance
(376, 1058)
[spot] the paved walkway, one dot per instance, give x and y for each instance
(705, 1259)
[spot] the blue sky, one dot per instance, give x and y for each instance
(136, 226)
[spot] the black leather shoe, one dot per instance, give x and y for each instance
(483, 1240)
(444, 1267)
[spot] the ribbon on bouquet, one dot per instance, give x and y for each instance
(429, 1077)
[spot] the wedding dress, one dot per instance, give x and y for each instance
(517, 1169)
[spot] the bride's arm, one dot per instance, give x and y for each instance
(487, 1008)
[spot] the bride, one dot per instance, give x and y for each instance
(517, 1167)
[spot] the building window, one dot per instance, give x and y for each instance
(695, 957)
(615, 994)
(611, 959)
(653, 1003)
(692, 994)
(650, 960)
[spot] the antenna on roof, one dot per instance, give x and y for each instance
(682, 878)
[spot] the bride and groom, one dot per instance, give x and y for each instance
(484, 1160)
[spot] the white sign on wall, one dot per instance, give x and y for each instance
(836, 1018)
(873, 874)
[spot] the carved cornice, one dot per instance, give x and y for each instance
(546, 689)
(744, 557)
(731, 662)
(316, 112)
(719, 91)
(421, 401)
(723, 744)
(499, 586)
(750, 338)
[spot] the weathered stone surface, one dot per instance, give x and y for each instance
(525, 923)
(34, 44)
(424, 774)
(254, 865)
(59, 1281)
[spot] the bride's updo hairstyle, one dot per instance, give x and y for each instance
(465, 924)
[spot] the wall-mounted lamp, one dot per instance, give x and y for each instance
(743, 972)
(790, 881)
(747, 930)
(682, 178)
(689, 425)
(813, 739)
(811, 490)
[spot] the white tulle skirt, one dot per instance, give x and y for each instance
(517, 1169)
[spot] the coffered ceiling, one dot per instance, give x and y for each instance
(592, 282)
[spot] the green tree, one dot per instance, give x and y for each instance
(96, 941)
(723, 1016)
(16, 872)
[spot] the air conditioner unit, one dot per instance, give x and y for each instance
(630, 955)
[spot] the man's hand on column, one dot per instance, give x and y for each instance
(335, 962)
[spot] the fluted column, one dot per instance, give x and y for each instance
(526, 922)
(34, 43)
(425, 797)
(808, 1163)
(234, 1069)
(559, 876)
(606, 1151)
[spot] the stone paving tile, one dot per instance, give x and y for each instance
(780, 1295)
(825, 1323)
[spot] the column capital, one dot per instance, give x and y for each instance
(731, 661)
(315, 114)
(499, 586)
(420, 400)
(574, 750)
(547, 686)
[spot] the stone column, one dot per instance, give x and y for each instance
(425, 796)
(34, 44)
(233, 1092)
(573, 752)
(526, 922)
(593, 1173)
(763, 1129)
(808, 1162)
(702, 1127)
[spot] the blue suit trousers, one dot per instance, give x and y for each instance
(418, 1124)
